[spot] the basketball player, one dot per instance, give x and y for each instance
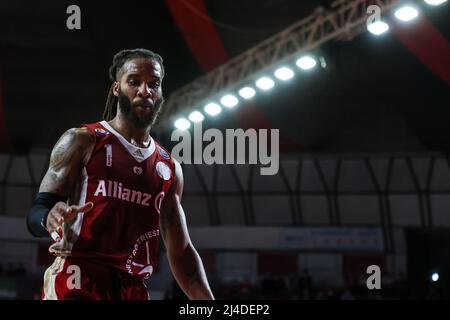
(110, 192)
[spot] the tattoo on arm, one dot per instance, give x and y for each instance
(66, 161)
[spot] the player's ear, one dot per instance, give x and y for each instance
(116, 87)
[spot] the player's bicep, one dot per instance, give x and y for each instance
(66, 161)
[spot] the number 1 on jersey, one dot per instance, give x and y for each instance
(108, 155)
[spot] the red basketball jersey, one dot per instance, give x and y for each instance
(127, 185)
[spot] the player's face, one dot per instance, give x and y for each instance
(139, 92)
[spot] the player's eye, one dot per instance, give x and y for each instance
(133, 82)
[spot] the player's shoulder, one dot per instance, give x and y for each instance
(94, 131)
(80, 136)
(84, 135)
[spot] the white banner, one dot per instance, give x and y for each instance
(332, 239)
(288, 238)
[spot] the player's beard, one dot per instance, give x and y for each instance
(149, 120)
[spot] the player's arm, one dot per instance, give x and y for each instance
(67, 159)
(184, 261)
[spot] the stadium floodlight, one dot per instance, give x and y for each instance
(196, 116)
(435, 2)
(284, 73)
(182, 124)
(406, 13)
(247, 92)
(378, 27)
(229, 100)
(265, 83)
(213, 109)
(435, 277)
(323, 62)
(306, 63)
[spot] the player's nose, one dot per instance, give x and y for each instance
(144, 91)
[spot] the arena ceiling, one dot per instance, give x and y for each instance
(387, 94)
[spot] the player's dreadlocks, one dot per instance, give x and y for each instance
(119, 60)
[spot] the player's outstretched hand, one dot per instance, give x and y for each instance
(62, 213)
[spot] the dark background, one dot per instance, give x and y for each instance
(388, 95)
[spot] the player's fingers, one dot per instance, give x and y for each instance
(57, 215)
(59, 211)
(72, 211)
(55, 236)
(54, 228)
(52, 223)
(84, 208)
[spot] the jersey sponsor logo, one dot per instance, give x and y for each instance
(163, 170)
(138, 154)
(114, 189)
(163, 153)
(137, 170)
(101, 131)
